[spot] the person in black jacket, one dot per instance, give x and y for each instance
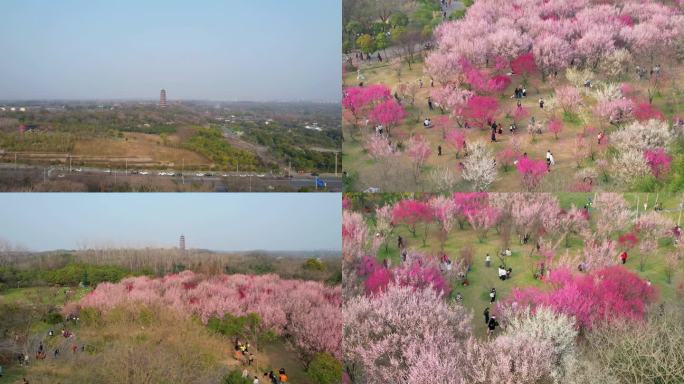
(486, 315)
(491, 325)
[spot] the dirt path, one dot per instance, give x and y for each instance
(272, 358)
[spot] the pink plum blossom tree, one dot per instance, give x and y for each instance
(388, 337)
(308, 312)
(418, 150)
(555, 126)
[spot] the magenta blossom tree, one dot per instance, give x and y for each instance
(469, 204)
(411, 212)
(506, 157)
(531, 171)
(389, 113)
(659, 161)
(479, 110)
(457, 139)
(524, 65)
(607, 294)
(358, 101)
(646, 111)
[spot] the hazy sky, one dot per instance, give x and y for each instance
(257, 50)
(231, 221)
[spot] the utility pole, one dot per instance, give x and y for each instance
(183, 172)
(335, 164)
(15, 161)
(126, 171)
(69, 154)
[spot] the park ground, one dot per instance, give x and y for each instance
(523, 259)
(398, 175)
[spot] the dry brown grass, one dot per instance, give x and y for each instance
(140, 146)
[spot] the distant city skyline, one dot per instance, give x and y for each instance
(220, 222)
(266, 51)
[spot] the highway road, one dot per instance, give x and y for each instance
(224, 181)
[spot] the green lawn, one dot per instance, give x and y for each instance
(12, 375)
(44, 295)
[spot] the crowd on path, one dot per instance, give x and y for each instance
(246, 358)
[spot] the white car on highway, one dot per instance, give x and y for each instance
(199, 174)
(144, 173)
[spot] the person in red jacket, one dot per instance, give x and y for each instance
(623, 257)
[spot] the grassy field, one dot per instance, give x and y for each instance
(145, 147)
(523, 259)
(44, 295)
(139, 328)
(398, 176)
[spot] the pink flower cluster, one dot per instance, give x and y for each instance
(532, 171)
(419, 274)
(607, 294)
(659, 161)
(308, 311)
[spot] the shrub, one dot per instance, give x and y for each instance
(234, 325)
(54, 318)
(325, 369)
(313, 265)
(235, 377)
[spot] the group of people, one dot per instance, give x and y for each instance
(519, 92)
(242, 353)
(445, 263)
(367, 57)
(540, 273)
(490, 321)
(280, 378)
(269, 377)
(505, 273)
(641, 72)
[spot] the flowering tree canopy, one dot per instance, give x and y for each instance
(308, 311)
(531, 171)
(392, 338)
(604, 295)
